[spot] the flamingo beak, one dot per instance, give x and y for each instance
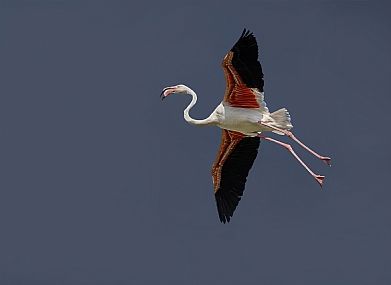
(167, 91)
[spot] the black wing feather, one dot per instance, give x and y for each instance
(245, 60)
(234, 176)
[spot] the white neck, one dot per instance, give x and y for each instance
(210, 121)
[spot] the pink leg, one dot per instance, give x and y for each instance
(289, 134)
(318, 178)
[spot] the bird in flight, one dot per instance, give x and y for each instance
(242, 116)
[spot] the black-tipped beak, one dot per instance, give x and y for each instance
(162, 94)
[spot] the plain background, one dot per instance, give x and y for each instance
(104, 183)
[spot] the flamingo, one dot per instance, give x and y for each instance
(242, 116)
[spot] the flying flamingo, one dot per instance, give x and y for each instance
(242, 116)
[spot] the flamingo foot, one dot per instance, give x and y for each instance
(319, 178)
(326, 160)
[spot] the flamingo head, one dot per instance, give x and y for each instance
(177, 89)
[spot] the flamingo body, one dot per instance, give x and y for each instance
(245, 121)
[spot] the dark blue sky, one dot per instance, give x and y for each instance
(103, 183)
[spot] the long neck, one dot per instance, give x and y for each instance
(210, 121)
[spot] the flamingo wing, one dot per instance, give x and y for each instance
(230, 170)
(243, 74)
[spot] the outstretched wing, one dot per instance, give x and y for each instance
(230, 170)
(243, 74)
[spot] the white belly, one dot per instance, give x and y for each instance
(242, 120)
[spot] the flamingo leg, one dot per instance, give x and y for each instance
(318, 178)
(289, 134)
